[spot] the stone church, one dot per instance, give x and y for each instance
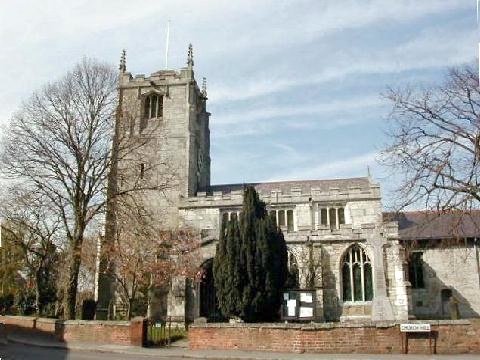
(340, 244)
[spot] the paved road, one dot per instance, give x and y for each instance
(23, 352)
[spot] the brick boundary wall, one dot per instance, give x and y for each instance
(451, 337)
(101, 332)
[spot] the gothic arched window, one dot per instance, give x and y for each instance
(357, 283)
(153, 106)
(293, 277)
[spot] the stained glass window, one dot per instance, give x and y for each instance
(347, 289)
(368, 285)
(357, 283)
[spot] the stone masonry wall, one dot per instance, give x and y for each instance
(396, 279)
(171, 155)
(365, 228)
(363, 212)
(164, 150)
(454, 268)
(452, 337)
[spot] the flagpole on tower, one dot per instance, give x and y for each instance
(478, 31)
(167, 44)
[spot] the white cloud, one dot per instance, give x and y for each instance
(41, 39)
(296, 117)
(263, 113)
(249, 48)
(436, 47)
(273, 24)
(353, 166)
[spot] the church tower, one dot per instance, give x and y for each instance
(165, 113)
(161, 150)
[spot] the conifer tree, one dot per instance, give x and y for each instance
(225, 268)
(219, 267)
(250, 266)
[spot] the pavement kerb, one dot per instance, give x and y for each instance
(146, 351)
(165, 353)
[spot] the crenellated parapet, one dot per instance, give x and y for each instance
(334, 229)
(321, 205)
(170, 77)
(289, 192)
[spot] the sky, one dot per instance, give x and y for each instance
(294, 87)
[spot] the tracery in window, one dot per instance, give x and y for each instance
(357, 281)
(293, 277)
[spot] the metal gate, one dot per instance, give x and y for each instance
(163, 333)
(159, 332)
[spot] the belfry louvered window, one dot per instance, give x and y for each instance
(153, 106)
(357, 281)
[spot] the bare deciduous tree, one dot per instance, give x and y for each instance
(35, 230)
(58, 145)
(65, 144)
(435, 143)
(145, 255)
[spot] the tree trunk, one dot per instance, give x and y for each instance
(72, 284)
(37, 293)
(129, 308)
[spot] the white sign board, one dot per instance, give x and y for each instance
(306, 297)
(291, 306)
(415, 328)
(306, 312)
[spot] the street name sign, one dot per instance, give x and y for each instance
(415, 328)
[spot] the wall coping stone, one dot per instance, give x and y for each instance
(95, 322)
(303, 326)
(20, 317)
(68, 322)
(46, 320)
(329, 325)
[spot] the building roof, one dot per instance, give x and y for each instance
(425, 225)
(305, 186)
